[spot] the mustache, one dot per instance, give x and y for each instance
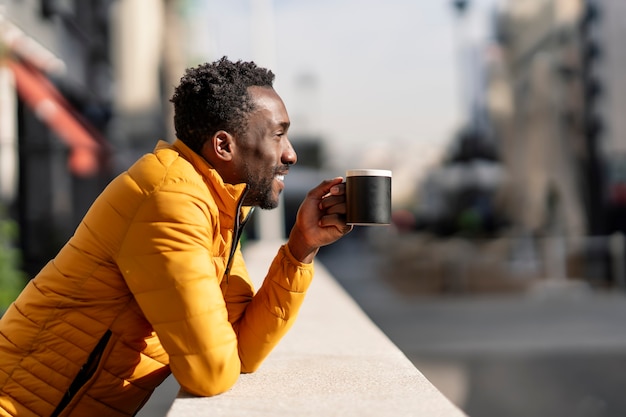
(282, 170)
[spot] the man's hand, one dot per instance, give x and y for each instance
(321, 220)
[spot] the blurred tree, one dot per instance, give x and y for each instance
(12, 278)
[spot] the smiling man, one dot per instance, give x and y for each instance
(154, 281)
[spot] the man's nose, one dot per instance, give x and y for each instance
(289, 156)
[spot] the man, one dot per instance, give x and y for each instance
(153, 280)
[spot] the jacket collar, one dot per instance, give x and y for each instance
(228, 195)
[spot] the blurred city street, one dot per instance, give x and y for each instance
(548, 351)
(500, 119)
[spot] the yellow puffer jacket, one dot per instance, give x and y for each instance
(140, 290)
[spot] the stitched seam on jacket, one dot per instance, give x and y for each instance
(269, 309)
(132, 222)
(28, 391)
(18, 364)
(146, 194)
(105, 404)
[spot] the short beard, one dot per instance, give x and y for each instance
(260, 193)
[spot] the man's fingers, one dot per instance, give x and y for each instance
(324, 187)
(336, 220)
(338, 207)
(330, 201)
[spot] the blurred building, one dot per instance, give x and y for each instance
(82, 87)
(555, 96)
(604, 60)
(543, 154)
(536, 107)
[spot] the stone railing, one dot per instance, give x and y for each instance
(333, 362)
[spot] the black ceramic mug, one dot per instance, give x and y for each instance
(368, 197)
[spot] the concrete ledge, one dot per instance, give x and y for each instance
(334, 362)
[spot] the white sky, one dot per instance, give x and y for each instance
(386, 73)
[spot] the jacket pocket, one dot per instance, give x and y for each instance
(84, 374)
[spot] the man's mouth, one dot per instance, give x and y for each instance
(280, 174)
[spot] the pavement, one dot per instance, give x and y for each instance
(556, 349)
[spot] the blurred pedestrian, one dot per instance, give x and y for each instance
(153, 280)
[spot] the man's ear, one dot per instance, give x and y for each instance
(220, 146)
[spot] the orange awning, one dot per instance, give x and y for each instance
(52, 108)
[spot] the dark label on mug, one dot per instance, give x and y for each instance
(368, 200)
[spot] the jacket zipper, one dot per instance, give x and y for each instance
(237, 231)
(84, 374)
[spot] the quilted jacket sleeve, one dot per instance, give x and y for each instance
(264, 320)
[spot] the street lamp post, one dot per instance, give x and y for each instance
(461, 8)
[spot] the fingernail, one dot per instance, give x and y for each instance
(334, 189)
